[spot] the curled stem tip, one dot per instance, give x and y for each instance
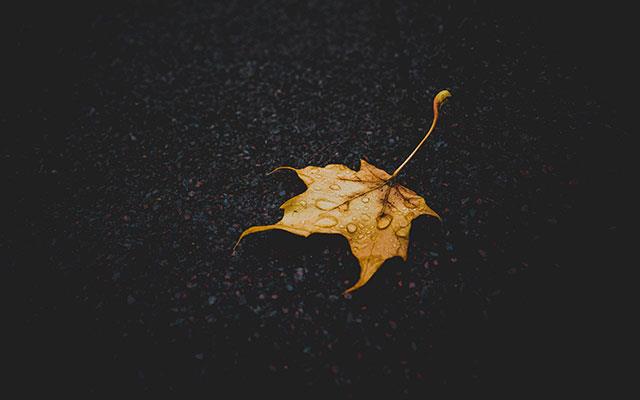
(437, 102)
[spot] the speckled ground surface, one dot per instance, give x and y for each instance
(140, 138)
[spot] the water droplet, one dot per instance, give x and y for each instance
(403, 232)
(365, 199)
(353, 218)
(384, 221)
(325, 204)
(334, 187)
(351, 228)
(326, 222)
(306, 179)
(412, 203)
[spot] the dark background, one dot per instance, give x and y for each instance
(135, 139)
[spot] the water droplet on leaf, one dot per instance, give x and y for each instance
(325, 204)
(403, 232)
(384, 221)
(326, 222)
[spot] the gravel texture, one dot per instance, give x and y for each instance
(142, 134)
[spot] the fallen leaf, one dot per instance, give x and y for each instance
(366, 206)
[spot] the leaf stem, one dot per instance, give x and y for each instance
(437, 101)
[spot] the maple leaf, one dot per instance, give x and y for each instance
(366, 206)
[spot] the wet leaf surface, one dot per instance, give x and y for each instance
(374, 214)
(366, 206)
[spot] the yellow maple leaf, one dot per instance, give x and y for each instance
(365, 206)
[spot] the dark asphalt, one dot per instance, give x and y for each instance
(134, 152)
